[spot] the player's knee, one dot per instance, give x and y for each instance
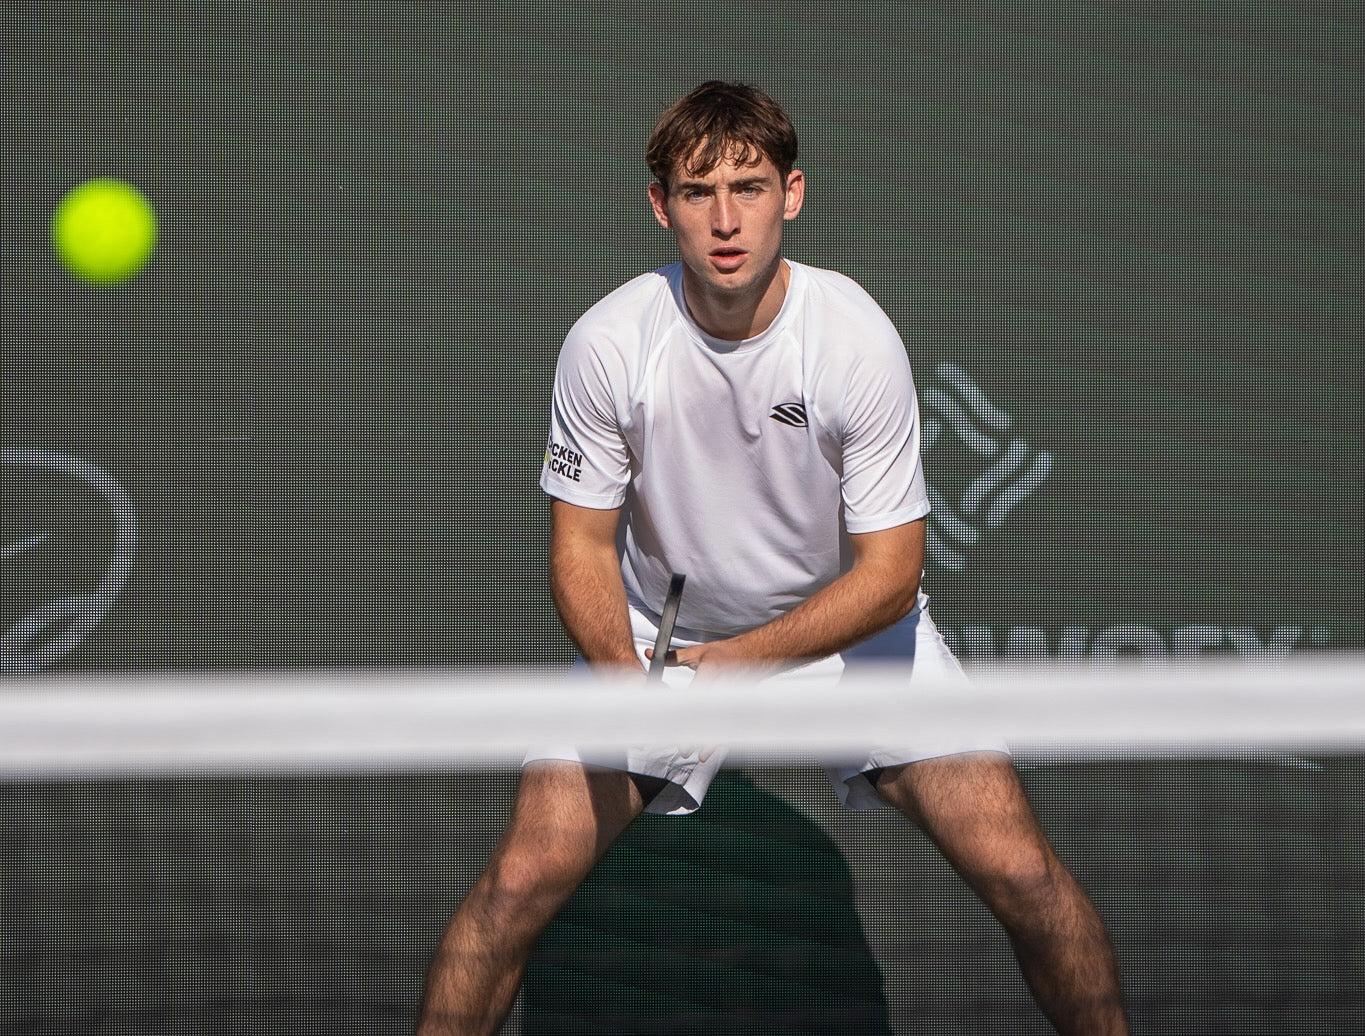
(529, 881)
(1023, 885)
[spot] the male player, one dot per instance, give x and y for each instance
(751, 422)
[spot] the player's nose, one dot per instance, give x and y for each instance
(724, 216)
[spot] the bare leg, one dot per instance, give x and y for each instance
(565, 818)
(974, 809)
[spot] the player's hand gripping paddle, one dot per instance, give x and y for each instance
(667, 620)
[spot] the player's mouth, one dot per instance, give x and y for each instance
(728, 258)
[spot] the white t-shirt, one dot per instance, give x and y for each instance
(742, 465)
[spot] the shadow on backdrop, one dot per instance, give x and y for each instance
(739, 919)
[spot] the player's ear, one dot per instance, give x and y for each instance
(796, 194)
(658, 200)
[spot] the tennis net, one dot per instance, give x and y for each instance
(267, 853)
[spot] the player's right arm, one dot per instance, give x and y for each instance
(585, 581)
(586, 472)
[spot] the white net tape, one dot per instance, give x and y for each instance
(357, 721)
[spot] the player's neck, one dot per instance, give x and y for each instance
(735, 316)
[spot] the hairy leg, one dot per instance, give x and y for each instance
(565, 818)
(974, 809)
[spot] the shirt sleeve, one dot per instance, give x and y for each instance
(586, 458)
(883, 480)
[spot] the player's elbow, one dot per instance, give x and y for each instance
(894, 584)
(904, 592)
(891, 562)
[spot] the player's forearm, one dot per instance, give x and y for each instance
(858, 605)
(878, 591)
(585, 582)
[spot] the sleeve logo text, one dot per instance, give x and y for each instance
(564, 462)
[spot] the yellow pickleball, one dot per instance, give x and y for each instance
(104, 231)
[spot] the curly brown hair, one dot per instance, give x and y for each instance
(719, 121)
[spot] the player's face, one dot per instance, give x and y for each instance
(728, 223)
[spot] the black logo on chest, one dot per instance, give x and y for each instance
(793, 414)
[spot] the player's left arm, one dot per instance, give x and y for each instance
(884, 502)
(878, 590)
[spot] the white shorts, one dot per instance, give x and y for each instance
(915, 640)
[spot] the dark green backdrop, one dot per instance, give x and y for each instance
(1137, 230)
(1123, 243)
